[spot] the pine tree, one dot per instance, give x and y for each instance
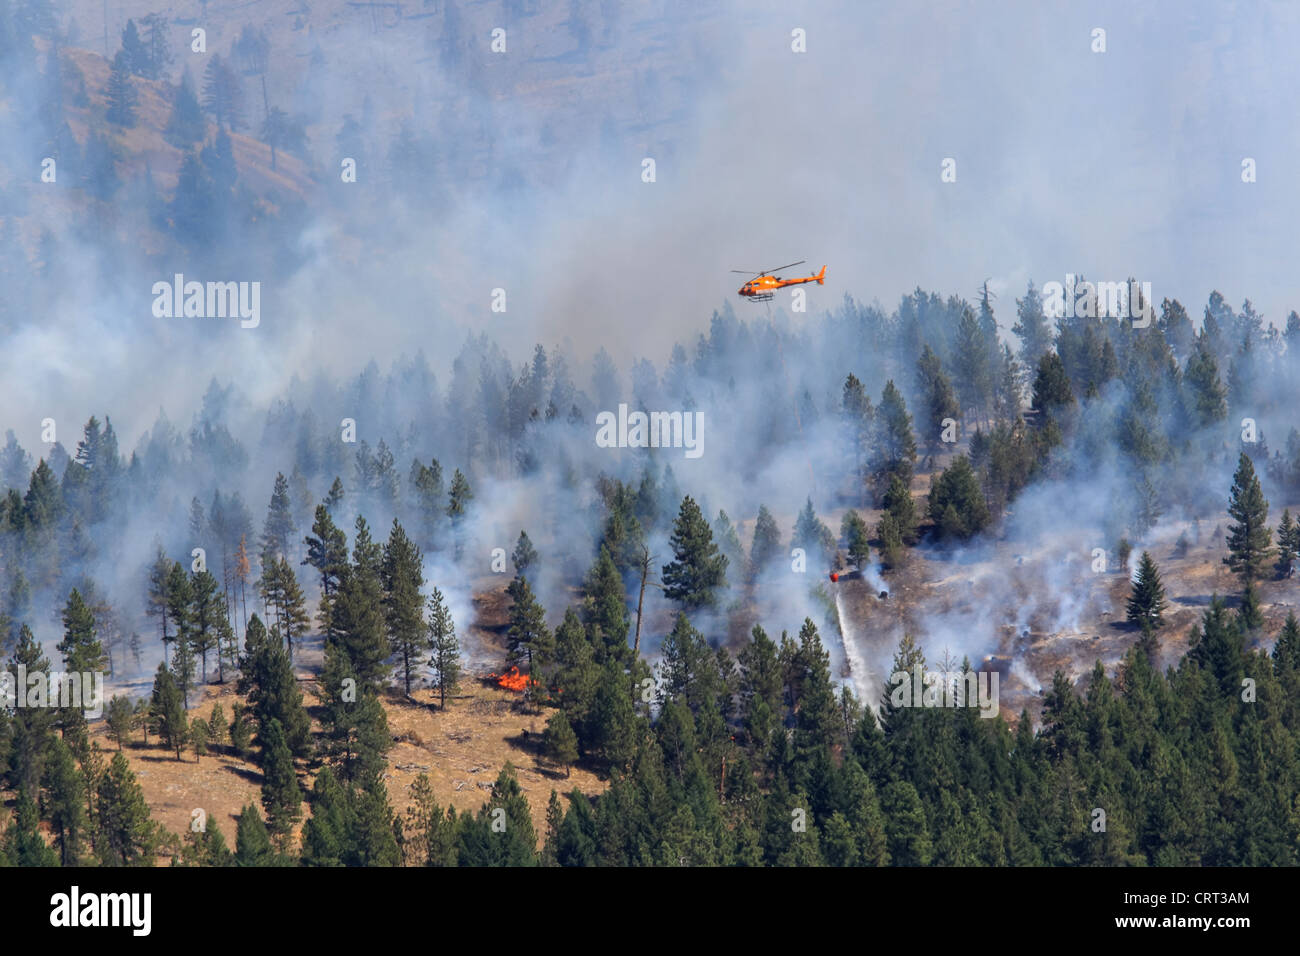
(120, 93)
(766, 544)
(939, 402)
(957, 504)
(698, 569)
(1052, 393)
(334, 495)
(1032, 327)
(1286, 652)
(458, 506)
(813, 536)
(1147, 603)
(357, 616)
(891, 539)
(81, 649)
(281, 795)
(126, 836)
(65, 803)
(241, 739)
(199, 738)
(403, 577)
(605, 609)
(168, 711)
(528, 639)
(218, 729)
(1288, 544)
(854, 531)
(279, 531)
(1250, 616)
(895, 446)
(134, 54)
(294, 619)
(120, 715)
(525, 555)
(445, 659)
(1249, 535)
(272, 691)
(206, 614)
(252, 841)
(560, 742)
(898, 502)
(856, 415)
(222, 96)
(327, 552)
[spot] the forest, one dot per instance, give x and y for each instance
(274, 579)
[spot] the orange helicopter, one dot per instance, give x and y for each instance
(761, 287)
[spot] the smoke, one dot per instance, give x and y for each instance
(378, 296)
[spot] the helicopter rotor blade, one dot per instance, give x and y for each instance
(747, 272)
(787, 266)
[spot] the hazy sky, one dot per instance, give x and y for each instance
(1115, 164)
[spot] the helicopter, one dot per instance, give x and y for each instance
(763, 284)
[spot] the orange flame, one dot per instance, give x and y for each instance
(513, 680)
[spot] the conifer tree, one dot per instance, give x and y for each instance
(891, 539)
(957, 504)
(528, 639)
(1249, 534)
(218, 729)
(65, 803)
(125, 836)
(281, 795)
(854, 531)
(857, 417)
(445, 659)
(1147, 604)
(895, 446)
(403, 577)
(1288, 544)
(252, 841)
(23, 843)
(811, 534)
(199, 738)
(560, 742)
(525, 555)
(605, 608)
(279, 531)
(168, 711)
(458, 500)
(120, 93)
(698, 569)
(1032, 327)
(81, 649)
(898, 502)
(766, 545)
(120, 715)
(357, 614)
(327, 552)
(206, 614)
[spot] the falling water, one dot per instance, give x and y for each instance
(857, 666)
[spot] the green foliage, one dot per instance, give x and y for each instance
(445, 657)
(1147, 604)
(167, 710)
(957, 505)
(1249, 534)
(698, 568)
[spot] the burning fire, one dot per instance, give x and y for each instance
(513, 680)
